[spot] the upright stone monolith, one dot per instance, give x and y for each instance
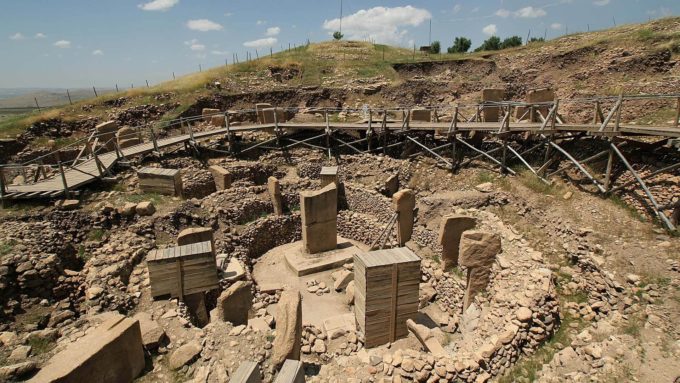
(477, 253)
(319, 211)
(287, 343)
(450, 231)
(403, 203)
(274, 189)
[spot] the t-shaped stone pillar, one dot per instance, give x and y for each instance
(274, 188)
(403, 203)
(478, 252)
(319, 211)
(450, 231)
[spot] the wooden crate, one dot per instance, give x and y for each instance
(162, 181)
(386, 293)
(182, 270)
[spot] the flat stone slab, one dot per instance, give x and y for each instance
(303, 263)
(339, 325)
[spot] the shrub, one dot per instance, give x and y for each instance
(435, 47)
(510, 42)
(337, 35)
(493, 43)
(460, 45)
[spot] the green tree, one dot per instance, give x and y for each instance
(536, 40)
(512, 41)
(493, 43)
(337, 35)
(460, 45)
(435, 47)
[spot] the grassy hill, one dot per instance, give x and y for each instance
(628, 58)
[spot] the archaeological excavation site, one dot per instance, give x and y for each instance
(333, 213)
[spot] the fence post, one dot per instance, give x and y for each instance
(95, 91)
(36, 103)
(677, 114)
(147, 83)
(69, 97)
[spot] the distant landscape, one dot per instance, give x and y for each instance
(20, 98)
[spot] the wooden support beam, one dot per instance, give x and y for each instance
(448, 164)
(485, 154)
(611, 114)
(655, 205)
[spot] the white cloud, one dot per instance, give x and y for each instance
(382, 24)
(502, 13)
(97, 52)
(261, 22)
(490, 30)
(63, 44)
(457, 8)
(204, 25)
(158, 5)
(474, 10)
(228, 14)
(195, 45)
(601, 3)
(530, 13)
(273, 31)
(17, 36)
(40, 35)
(261, 43)
(219, 53)
(556, 26)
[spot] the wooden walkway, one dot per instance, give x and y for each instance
(87, 171)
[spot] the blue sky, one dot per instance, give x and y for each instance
(81, 43)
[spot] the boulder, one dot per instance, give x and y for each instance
(16, 371)
(145, 208)
(184, 355)
(128, 210)
(342, 279)
(349, 293)
(287, 342)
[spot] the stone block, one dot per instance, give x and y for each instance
(112, 353)
(478, 248)
(293, 371)
(274, 189)
(392, 185)
(221, 176)
(450, 232)
(247, 372)
(491, 113)
(319, 237)
(184, 355)
(126, 143)
(218, 121)
(106, 131)
(287, 342)
(536, 96)
(421, 115)
(403, 203)
(328, 175)
(195, 235)
(234, 303)
(208, 113)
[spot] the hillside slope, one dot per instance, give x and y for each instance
(630, 59)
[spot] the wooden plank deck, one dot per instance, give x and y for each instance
(87, 171)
